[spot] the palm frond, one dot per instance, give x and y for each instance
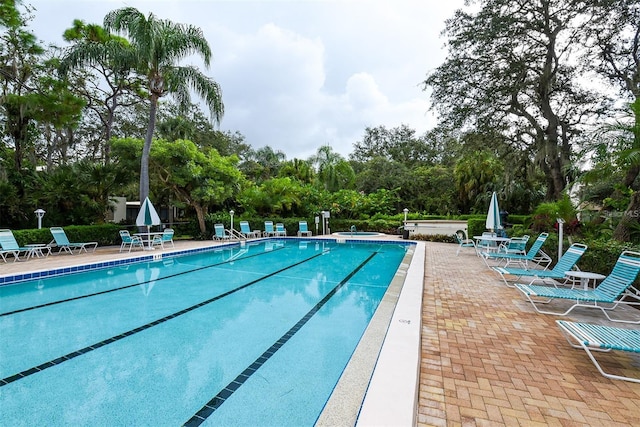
(205, 87)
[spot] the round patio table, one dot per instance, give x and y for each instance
(585, 277)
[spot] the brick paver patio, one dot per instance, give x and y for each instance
(489, 359)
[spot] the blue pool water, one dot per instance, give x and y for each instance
(245, 336)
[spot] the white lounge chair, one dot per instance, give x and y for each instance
(9, 246)
(616, 289)
(268, 229)
(220, 232)
(565, 263)
(246, 231)
(535, 254)
(63, 243)
(601, 338)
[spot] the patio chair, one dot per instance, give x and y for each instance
(614, 290)
(303, 230)
(9, 246)
(515, 245)
(463, 241)
(486, 245)
(280, 230)
(129, 240)
(220, 232)
(165, 237)
(601, 338)
(268, 229)
(63, 243)
(245, 230)
(565, 263)
(535, 254)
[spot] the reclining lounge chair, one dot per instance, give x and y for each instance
(565, 263)
(220, 232)
(601, 338)
(268, 229)
(534, 254)
(615, 289)
(246, 232)
(9, 246)
(63, 244)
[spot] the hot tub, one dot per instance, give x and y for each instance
(357, 233)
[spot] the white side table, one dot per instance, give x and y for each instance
(585, 277)
(38, 250)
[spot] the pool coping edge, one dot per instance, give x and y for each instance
(379, 385)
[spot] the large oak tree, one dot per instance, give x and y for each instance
(512, 67)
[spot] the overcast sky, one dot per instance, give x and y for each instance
(299, 74)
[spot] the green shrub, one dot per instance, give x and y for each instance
(517, 230)
(444, 238)
(104, 234)
(476, 226)
(518, 219)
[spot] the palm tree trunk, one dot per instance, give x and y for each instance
(108, 128)
(146, 149)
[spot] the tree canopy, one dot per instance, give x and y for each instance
(537, 101)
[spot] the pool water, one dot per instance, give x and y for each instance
(246, 336)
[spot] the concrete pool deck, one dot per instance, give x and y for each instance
(487, 358)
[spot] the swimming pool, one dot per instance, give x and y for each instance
(236, 336)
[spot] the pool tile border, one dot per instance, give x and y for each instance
(62, 271)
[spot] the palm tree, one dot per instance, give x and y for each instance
(159, 45)
(333, 171)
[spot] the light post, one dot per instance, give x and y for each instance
(231, 212)
(39, 214)
(560, 237)
(406, 211)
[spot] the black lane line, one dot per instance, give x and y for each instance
(69, 356)
(131, 286)
(211, 406)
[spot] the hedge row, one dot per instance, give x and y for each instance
(104, 234)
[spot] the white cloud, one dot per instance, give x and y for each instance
(363, 92)
(299, 74)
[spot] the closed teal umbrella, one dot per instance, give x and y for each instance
(493, 216)
(147, 215)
